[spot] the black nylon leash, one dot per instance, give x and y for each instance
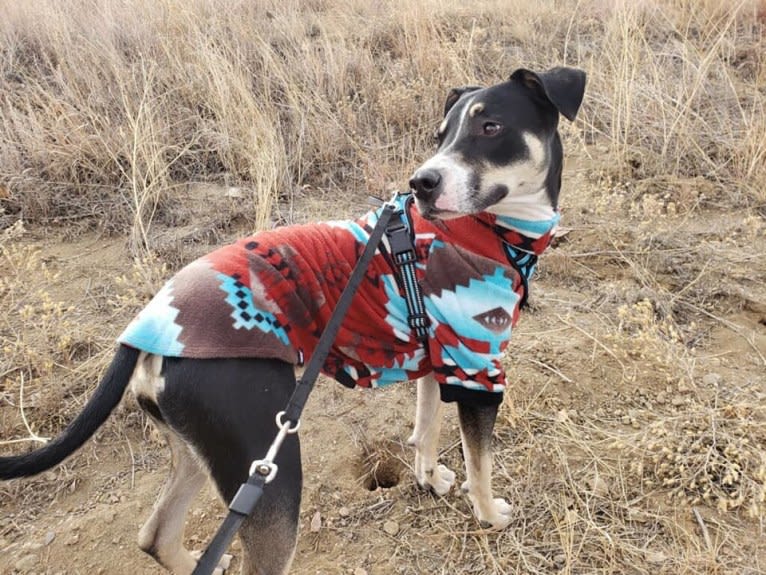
(288, 421)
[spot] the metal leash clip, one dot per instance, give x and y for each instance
(266, 467)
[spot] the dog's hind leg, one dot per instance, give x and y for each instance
(225, 409)
(476, 424)
(425, 438)
(162, 534)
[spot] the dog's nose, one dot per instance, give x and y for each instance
(424, 183)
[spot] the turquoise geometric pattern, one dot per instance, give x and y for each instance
(155, 330)
(244, 313)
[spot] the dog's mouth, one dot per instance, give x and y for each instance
(431, 213)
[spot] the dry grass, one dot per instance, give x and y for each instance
(102, 121)
(632, 440)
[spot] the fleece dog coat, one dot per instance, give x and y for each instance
(270, 295)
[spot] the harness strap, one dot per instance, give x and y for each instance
(403, 254)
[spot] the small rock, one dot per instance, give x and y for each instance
(677, 401)
(73, 539)
(49, 537)
(391, 527)
(598, 486)
(360, 571)
(235, 193)
(225, 561)
(344, 512)
(559, 558)
(316, 522)
(26, 563)
(711, 379)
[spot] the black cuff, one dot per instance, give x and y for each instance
(450, 393)
(345, 379)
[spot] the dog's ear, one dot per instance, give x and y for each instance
(455, 94)
(563, 87)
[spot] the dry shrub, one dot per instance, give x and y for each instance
(31, 351)
(711, 456)
(35, 333)
(101, 122)
(648, 345)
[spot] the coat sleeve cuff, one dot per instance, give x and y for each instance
(450, 393)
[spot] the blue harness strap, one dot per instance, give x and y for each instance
(404, 256)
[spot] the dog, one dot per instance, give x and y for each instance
(213, 357)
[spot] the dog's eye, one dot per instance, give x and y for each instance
(491, 128)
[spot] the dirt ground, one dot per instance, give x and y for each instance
(631, 439)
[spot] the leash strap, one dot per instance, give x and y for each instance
(314, 366)
(403, 254)
(240, 508)
(263, 471)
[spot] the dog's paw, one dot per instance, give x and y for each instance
(439, 480)
(499, 516)
(442, 480)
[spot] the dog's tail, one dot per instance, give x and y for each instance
(98, 408)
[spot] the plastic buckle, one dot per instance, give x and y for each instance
(400, 244)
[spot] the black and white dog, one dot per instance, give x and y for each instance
(491, 188)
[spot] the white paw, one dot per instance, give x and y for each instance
(502, 506)
(439, 480)
(442, 480)
(498, 516)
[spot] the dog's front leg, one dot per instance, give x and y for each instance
(476, 424)
(425, 439)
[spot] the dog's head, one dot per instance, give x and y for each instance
(498, 148)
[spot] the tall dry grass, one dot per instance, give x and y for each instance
(105, 107)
